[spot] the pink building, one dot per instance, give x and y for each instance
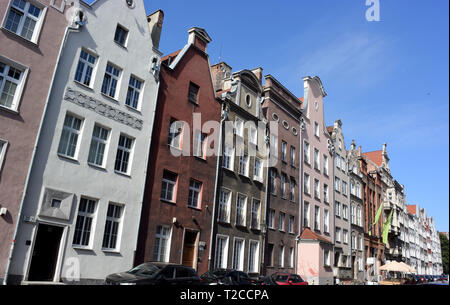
(31, 33)
(315, 247)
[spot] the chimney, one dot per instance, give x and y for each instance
(359, 150)
(220, 72)
(353, 145)
(258, 73)
(155, 22)
(385, 157)
(199, 38)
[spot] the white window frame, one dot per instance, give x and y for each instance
(85, 215)
(292, 189)
(224, 258)
(175, 138)
(161, 237)
(326, 193)
(316, 188)
(325, 165)
(271, 219)
(344, 211)
(337, 184)
(281, 220)
(283, 151)
(338, 161)
(112, 77)
(344, 188)
(307, 183)
(317, 218)
(95, 140)
(71, 131)
(227, 206)
(86, 63)
(345, 236)
(243, 165)
(258, 214)
(307, 208)
(257, 171)
(272, 178)
(338, 234)
(128, 150)
(316, 129)
(283, 180)
(239, 127)
(197, 190)
(306, 152)
(316, 159)
(326, 221)
(243, 208)
(3, 148)
(292, 155)
(291, 257)
(291, 222)
(337, 208)
(169, 182)
(134, 89)
(126, 37)
(39, 20)
(240, 263)
(19, 83)
(281, 257)
(201, 139)
(253, 135)
(326, 257)
(252, 269)
(114, 219)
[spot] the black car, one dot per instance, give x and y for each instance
(155, 273)
(225, 277)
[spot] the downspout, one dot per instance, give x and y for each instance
(19, 215)
(224, 116)
(265, 210)
(300, 195)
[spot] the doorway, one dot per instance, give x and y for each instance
(189, 249)
(45, 253)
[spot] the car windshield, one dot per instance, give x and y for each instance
(214, 274)
(144, 269)
(281, 278)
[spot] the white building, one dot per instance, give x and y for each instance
(81, 212)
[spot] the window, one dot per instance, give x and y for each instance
(344, 188)
(271, 222)
(123, 154)
(326, 221)
(112, 225)
(281, 221)
(281, 257)
(200, 144)
(360, 264)
(224, 204)
(343, 164)
(353, 241)
(120, 36)
(86, 211)
(325, 165)
(338, 161)
(228, 158)
(253, 135)
(238, 254)
(317, 218)
(257, 175)
(10, 81)
(353, 214)
(221, 252)
(85, 67)
(241, 208)
(345, 211)
(110, 80)
(168, 186)
(345, 236)
(23, 17)
(291, 224)
(56, 203)
(193, 93)
(337, 184)
(98, 145)
(316, 159)
(325, 193)
(316, 129)
(283, 185)
(338, 234)
(161, 248)
(326, 257)
(175, 133)
(3, 145)
(283, 151)
(352, 187)
(69, 136)
(316, 189)
(306, 184)
(272, 181)
(358, 190)
(359, 242)
(243, 165)
(270, 255)
(274, 146)
(292, 155)
(253, 257)
(291, 257)
(306, 214)
(292, 189)
(134, 91)
(306, 152)
(337, 208)
(239, 127)
(195, 188)
(358, 216)
(255, 214)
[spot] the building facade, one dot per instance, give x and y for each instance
(179, 199)
(283, 196)
(31, 34)
(342, 229)
(83, 204)
(315, 247)
(240, 207)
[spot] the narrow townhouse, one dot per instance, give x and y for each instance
(82, 206)
(358, 261)
(239, 218)
(31, 34)
(284, 181)
(315, 247)
(342, 246)
(179, 194)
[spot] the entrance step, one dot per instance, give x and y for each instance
(41, 283)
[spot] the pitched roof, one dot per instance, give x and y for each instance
(376, 156)
(411, 209)
(172, 55)
(308, 234)
(330, 129)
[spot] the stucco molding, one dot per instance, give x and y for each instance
(90, 103)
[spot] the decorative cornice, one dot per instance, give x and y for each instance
(90, 103)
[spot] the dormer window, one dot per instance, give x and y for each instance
(121, 35)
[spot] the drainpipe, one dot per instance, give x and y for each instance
(300, 190)
(19, 215)
(265, 211)
(224, 116)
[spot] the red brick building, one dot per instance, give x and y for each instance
(178, 201)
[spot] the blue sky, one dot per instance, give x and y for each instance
(387, 81)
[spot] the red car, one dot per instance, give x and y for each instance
(288, 279)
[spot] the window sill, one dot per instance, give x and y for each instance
(112, 251)
(228, 169)
(68, 158)
(194, 208)
(258, 179)
(200, 159)
(109, 97)
(82, 248)
(240, 225)
(131, 108)
(121, 45)
(83, 85)
(98, 167)
(122, 174)
(167, 201)
(13, 111)
(33, 43)
(193, 102)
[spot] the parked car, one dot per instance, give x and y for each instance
(225, 277)
(288, 279)
(155, 273)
